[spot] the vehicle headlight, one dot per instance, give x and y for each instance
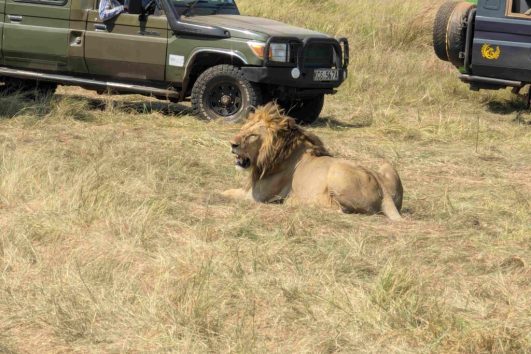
(278, 52)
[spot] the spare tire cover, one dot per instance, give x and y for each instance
(449, 31)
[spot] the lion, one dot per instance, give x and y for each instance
(288, 163)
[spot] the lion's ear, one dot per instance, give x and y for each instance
(292, 124)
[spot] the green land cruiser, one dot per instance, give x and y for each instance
(201, 50)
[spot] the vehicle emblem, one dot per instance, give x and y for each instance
(489, 53)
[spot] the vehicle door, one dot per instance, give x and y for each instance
(128, 47)
(502, 40)
(36, 34)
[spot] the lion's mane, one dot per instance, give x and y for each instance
(282, 139)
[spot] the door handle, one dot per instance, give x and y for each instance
(100, 27)
(13, 18)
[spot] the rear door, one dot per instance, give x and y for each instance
(126, 48)
(36, 34)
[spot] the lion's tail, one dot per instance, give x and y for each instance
(389, 208)
(392, 191)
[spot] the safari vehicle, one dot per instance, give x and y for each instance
(202, 50)
(488, 40)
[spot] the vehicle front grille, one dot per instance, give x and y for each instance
(319, 55)
(293, 52)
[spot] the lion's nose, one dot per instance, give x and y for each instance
(234, 145)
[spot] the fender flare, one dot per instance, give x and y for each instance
(191, 60)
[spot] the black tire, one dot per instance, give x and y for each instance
(223, 92)
(449, 31)
(304, 111)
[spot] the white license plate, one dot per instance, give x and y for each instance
(326, 75)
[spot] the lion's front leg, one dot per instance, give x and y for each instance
(238, 194)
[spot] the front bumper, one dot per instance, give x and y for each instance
(281, 74)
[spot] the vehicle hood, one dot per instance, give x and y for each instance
(255, 28)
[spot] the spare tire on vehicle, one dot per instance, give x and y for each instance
(449, 31)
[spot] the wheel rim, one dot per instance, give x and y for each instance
(225, 99)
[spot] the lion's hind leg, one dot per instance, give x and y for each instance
(354, 190)
(392, 183)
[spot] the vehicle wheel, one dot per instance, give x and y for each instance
(223, 92)
(305, 111)
(449, 31)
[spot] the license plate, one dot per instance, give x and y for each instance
(326, 75)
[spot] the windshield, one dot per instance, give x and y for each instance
(203, 7)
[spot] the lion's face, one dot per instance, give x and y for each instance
(269, 138)
(247, 143)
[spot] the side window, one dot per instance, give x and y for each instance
(519, 8)
(45, 2)
(146, 7)
(119, 2)
(133, 7)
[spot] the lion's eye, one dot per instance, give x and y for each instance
(252, 138)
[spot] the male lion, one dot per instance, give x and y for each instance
(287, 161)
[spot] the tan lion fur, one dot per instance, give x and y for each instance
(287, 161)
(283, 138)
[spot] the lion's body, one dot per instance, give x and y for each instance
(293, 164)
(339, 183)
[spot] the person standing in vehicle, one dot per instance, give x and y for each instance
(109, 9)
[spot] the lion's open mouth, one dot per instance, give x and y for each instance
(243, 162)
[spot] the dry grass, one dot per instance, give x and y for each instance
(113, 237)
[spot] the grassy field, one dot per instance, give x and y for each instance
(113, 237)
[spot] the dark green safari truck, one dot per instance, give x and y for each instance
(489, 41)
(202, 50)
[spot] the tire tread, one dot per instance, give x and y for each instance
(198, 90)
(308, 113)
(440, 29)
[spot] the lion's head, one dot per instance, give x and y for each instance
(268, 138)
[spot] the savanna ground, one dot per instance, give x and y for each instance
(113, 237)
